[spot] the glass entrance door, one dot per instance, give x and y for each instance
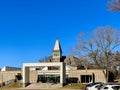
(86, 78)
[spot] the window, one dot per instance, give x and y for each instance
(97, 86)
(105, 87)
(56, 54)
(116, 87)
(86, 78)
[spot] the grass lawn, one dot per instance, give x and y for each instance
(11, 86)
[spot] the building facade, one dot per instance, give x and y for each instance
(73, 71)
(9, 68)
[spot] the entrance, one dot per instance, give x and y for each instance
(47, 78)
(62, 71)
(86, 78)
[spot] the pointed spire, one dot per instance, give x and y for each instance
(57, 46)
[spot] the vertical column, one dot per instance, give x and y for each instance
(62, 74)
(25, 76)
(92, 78)
(80, 79)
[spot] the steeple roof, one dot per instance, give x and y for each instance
(57, 46)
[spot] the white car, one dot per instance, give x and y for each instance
(110, 87)
(93, 86)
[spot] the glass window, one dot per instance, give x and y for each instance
(116, 87)
(86, 78)
(105, 87)
(56, 54)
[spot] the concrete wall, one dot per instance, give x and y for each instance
(98, 74)
(33, 76)
(8, 75)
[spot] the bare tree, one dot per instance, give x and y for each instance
(99, 47)
(45, 59)
(117, 56)
(114, 5)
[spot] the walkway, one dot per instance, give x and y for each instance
(44, 86)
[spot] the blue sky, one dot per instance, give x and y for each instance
(29, 28)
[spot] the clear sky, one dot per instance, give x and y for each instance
(29, 28)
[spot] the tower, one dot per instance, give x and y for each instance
(57, 52)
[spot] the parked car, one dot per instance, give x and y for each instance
(93, 86)
(110, 87)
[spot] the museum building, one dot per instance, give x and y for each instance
(75, 71)
(57, 69)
